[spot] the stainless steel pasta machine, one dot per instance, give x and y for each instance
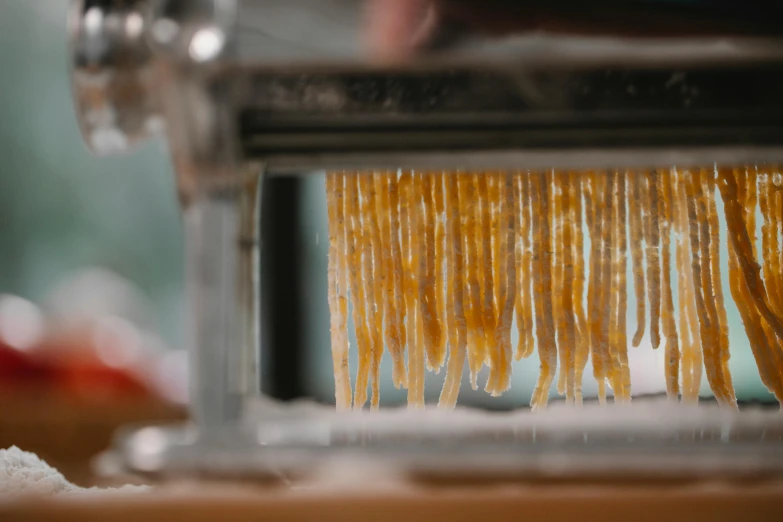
(247, 91)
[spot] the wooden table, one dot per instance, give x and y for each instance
(68, 434)
(406, 503)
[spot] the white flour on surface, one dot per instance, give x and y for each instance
(652, 415)
(25, 474)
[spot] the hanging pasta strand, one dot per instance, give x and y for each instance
(493, 347)
(472, 289)
(487, 265)
(751, 184)
(542, 273)
(494, 200)
(617, 356)
(766, 229)
(566, 298)
(653, 258)
(557, 279)
(751, 193)
(457, 330)
(385, 255)
(410, 286)
(337, 291)
(708, 182)
(689, 322)
(605, 265)
(777, 237)
(595, 210)
(759, 342)
(612, 302)
(426, 245)
(708, 320)
(417, 351)
(394, 262)
(453, 280)
(623, 388)
(343, 284)
(583, 341)
(769, 233)
(706, 327)
(684, 330)
(484, 274)
(440, 267)
(751, 190)
(373, 293)
(507, 290)
(637, 255)
(693, 314)
(358, 297)
(474, 313)
(742, 246)
(712, 341)
(666, 199)
(524, 314)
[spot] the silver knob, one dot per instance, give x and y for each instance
(112, 74)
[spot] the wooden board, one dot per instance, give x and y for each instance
(68, 434)
(197, 503)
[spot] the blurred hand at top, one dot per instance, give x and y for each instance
(396, 29)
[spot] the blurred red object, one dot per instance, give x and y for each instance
(18, 369)
(98, 361)
(76, 377)
(70, 379)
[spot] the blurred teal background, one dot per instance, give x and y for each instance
(62, 209)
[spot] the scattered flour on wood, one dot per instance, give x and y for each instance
(24, 474)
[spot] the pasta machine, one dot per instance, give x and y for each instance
(249, 95)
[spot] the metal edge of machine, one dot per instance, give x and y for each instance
(126, 54)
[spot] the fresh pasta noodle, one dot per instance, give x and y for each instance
(689, 321)
(487, 267)
(457, 326)
(338, 291)
(637, 255)
(707, 323)
(558, 269)
(397, 274)
(653, 256)
(358, 289)
(708, 181)
(614, 366)
(762, 351)
(493, 358)
(666, 198)
(373, 292)
(621, 346)
(542, 273)
(594, 219)
(583, 342)
(435, 268)
(566, 298)
(524, 312)
(507, 289)
(777, 235)
(410, 289)
(389, 258)
(427, 295)
(475, 321)
(440, 350)
(605, 267)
